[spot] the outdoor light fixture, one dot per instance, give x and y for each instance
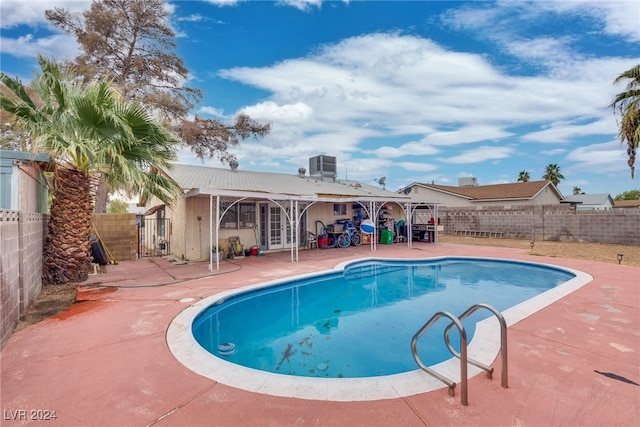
(619, 258)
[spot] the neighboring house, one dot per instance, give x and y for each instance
(626, 204)
(23, 185)
(468, 193)
(270, 211)
(589, 202)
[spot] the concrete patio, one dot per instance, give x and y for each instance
(105, 361)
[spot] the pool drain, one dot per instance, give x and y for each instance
(227, 349)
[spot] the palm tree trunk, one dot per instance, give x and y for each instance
(67, 249)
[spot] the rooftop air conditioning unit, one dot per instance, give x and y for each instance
(323, 166)
(469, 181)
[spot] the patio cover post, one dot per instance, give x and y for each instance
(374, 218)
(294, 232)
(409, 225)
(210, 233)
(436, 223)
(296, 220)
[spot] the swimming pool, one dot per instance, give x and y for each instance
(219, 321)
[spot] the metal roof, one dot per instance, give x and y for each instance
(201, 180)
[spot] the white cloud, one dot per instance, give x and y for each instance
(553, 153)
(56, 46)
(223, 3)
(392, 86)
(480, 154)
(608, 157)
(408, 149)
(415, 166)
(303, 5)
(211, 111)
(284, 114)
(20, 12)
(561, 132)
(619, 18)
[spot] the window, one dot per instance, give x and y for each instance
(230, 218)
(242, 215)
(339, 208)
(247, 215)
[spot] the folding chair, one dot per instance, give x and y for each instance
(312, 240)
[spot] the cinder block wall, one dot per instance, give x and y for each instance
(21, 241)
(33, 230)
(9, 273)
(548, 222)
(119, 234)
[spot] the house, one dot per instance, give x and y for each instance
(588, 202)
(23, 185)
(468, 193)
(626, 204)
(263, 210)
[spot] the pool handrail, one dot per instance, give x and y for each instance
(463, 354)
(503, 342)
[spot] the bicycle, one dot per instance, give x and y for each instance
(349, 236)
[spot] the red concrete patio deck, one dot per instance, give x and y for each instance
(105, 361)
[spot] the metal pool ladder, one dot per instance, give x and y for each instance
(457, 322)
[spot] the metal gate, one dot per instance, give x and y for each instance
(153, 237)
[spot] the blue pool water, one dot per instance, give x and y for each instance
(359, 322)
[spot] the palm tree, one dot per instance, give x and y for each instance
(627, 103)
(88, 131)
(552, 173)
(577, 190)
(523, 176)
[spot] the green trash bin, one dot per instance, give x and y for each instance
(386, 237)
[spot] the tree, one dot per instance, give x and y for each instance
(552, 173)
(132, 43)
(577, 190)
(86, 130)
(117, 206)
(12, 135)
(627, 104)
(628, 195)
(523, 176)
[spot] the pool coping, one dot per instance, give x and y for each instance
(484, 347)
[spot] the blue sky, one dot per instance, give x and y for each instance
(417, 91)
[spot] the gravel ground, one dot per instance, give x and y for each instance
(591, 251)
